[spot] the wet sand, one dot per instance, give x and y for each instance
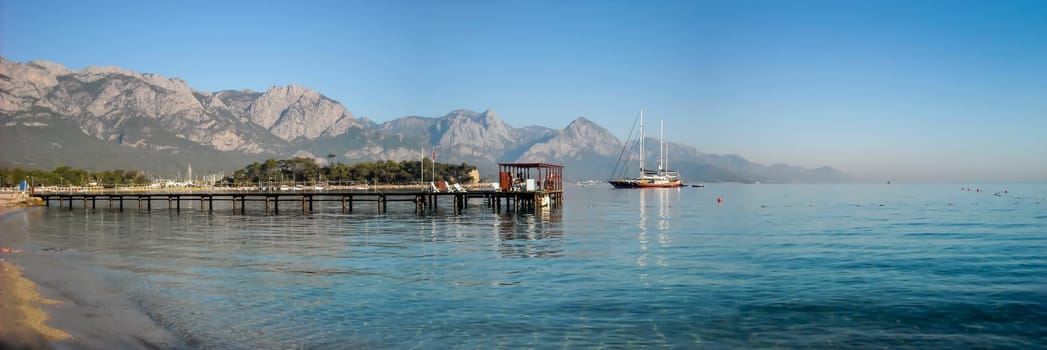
(23, 325)
(50, 299)
(22, 322)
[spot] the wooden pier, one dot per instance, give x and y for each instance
(521, 187)
(306, 201)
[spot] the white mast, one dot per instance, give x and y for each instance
(661, 146)
(667, 157)
(665, 146)
(641, 143)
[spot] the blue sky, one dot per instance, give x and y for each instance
(904, 90)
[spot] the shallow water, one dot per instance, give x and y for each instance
(792, 266)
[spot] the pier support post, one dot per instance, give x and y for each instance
(210, 204)
(121, 198)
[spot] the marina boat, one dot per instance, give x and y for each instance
(661, 177)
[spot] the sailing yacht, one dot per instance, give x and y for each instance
(660, 178)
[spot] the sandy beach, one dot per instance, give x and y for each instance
(49, 300)
(22, 322)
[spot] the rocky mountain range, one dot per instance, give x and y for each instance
(109, 117)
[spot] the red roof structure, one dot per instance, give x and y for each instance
(530, 177)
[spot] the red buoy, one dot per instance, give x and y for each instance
(719, 200)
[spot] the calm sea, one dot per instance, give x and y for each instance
(782, 266)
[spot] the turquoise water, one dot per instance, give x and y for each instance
(783, 266)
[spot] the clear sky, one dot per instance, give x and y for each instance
(924, 90)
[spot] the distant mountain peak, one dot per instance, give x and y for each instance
(581, 121)
(292, 90)
(461, 113)
(100, 71)
(50, 67)
(112, 110)
(581, 138)
(489, 114)
(294, 111)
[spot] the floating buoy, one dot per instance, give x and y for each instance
(719, 199)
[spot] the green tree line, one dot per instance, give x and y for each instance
(287, 170)
(65, 175)
(384, 172)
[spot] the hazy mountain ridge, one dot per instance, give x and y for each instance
(148, 114)
(103, 99)
(581, 136)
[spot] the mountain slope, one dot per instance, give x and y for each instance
(109, 117)
(293, 111)
(102, 100)
(49, 142)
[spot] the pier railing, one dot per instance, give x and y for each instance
(257, 187)
(425, 197)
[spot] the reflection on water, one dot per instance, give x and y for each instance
(663, 197)
(787, 266)
(535, 235)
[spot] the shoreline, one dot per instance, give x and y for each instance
(52, 300)
(23, 323)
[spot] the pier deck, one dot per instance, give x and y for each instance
(271, 200)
